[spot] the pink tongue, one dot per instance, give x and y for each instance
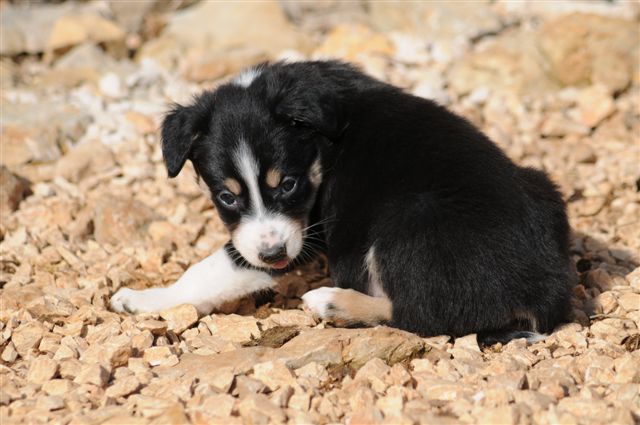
(280, 264)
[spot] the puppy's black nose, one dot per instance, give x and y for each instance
(273, 254)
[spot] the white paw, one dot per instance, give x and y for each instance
(321, 301)
(127, 301)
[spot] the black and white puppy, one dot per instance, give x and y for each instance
(427, 225)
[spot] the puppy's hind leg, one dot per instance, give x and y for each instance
(206, 285)
(348, 308)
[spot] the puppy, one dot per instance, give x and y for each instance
(426, 224)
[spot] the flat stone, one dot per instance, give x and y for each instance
(42, 369)
(180, 318)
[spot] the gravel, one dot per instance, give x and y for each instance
(87, 209)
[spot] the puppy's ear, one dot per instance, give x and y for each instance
(181, 128)
(314, 109)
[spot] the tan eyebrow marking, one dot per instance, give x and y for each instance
(233, 185)
(273, 177)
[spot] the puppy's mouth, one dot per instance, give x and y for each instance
(281, 264)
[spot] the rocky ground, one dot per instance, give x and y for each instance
(87, 208)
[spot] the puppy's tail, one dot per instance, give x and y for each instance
(505, 335)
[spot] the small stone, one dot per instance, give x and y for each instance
(92, 374)
(111, 86)
(156, 327)
(142, 341)
(606, 302)
(13, 189)
(498, 415)
(115, 351)
(42, 369)
(594, 105)
(233, 327)
(259, 403)
(313, 370)
(629, 301)
(85, 159)
(9, 354)
(27, 337)
(157, 356)
(274, 374)
(50, 403)
(59, 387)
(469, 342)
(373, 368)
(123, 387)
(180, 318)
(221, 404)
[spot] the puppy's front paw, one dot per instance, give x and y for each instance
(321, 302)
(127, 301)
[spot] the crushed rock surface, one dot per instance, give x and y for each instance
(86, 208)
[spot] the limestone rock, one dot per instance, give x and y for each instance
(42, 369)
(587, 48)
(180, 318)
(232, 327)
(89, 158)
(120, 220)
(13, 189)
(594, 105)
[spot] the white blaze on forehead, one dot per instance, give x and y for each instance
(248, 168)
(246, 77)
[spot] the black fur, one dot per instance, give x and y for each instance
(465, 240)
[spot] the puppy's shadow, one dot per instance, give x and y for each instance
(597, 271)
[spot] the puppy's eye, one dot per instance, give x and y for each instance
(288, 185)
(227, 198)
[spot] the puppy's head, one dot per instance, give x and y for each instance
(257, 159)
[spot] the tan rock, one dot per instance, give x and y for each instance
(59, 387)
(352, 42)
(50, 403)
(123, 387)
(313, 370)
(374, 368)
(85, 159)
(120, 220)
(274, 374)
(629, 301)
(469, 342)
(627, 369)
(581, 47)
(115, 352)
(221, 404)
(142, 341)
(27, 337)
(498, 415)
(256, 404)
(594, 105)
(173, 415)
(156, 327)
(13, 189)
(180, 318)
(69, 368)
(9, 354)
(42, 369)
(92, 374)
(160, 356)
(233, 327)
(70, 30)
(289, 318)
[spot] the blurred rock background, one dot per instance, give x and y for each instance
(85, 207)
